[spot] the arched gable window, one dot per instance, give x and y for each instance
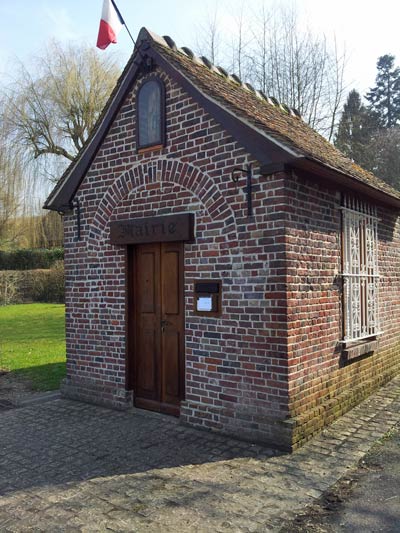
(150, 129)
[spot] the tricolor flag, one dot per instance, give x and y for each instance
(110, 24)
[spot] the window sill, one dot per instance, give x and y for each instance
(150, 149)
(355, 349)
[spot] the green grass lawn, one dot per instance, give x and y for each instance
(32, 343)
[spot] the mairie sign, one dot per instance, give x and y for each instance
(153, 229)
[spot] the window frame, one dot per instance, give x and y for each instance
(360, 271)
(162, 140)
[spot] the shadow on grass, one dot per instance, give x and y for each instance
(42, 378)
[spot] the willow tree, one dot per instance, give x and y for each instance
(11, 198)
(53, 105)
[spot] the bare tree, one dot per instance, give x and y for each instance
(337, 89)
(52, 111)
(240, 41)
(261, 59)
(299, 68)
(208, 40)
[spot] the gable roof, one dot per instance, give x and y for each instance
(273, 133)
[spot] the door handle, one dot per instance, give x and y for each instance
(163, 324)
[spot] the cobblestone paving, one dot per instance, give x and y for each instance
(68, 466)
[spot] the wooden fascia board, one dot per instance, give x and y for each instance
(269, 152)
(339, 179)
(274, 168)
(263, 147)
(265, 150)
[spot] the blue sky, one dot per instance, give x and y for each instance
(368, 28)
(28, 24)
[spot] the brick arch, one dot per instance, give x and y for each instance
(168, 171)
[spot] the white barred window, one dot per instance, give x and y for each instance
(360, 269)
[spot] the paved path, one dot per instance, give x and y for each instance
(375, 502)
(68, 466)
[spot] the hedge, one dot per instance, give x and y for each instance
(45, 285)
(30, 259)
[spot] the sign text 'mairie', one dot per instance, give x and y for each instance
(153, 229)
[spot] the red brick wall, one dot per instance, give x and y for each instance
(236, 370)
(267, 368)
(322, 384)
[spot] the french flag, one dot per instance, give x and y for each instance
(110, 24)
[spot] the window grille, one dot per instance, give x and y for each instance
(360, 269)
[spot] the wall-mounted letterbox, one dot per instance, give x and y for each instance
(207, 298)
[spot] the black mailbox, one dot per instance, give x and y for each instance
(207, 298)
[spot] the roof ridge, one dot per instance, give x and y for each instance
(168, 42)
(255, 117)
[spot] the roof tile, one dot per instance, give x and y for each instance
(267, 114)
(263, 112)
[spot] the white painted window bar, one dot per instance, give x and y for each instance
(360, 269)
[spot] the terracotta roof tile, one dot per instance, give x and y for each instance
(276, 120)
(263, 112)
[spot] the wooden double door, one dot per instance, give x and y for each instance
(157, 302)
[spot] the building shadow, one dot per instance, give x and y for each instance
(64, 441)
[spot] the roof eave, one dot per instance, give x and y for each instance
(61, 197)
(264, 148)
(338, 178)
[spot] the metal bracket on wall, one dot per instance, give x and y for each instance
(249, 185)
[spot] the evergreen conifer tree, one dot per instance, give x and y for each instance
(384, 98)
(370, 135)
(355, 130)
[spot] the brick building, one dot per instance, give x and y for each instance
(224, 262)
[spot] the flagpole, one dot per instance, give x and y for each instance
(123, 21)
